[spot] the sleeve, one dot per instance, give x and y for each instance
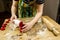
(16, 0)
(40, 1)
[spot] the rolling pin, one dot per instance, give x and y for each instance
(50, 26)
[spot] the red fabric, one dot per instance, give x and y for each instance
(20, 26)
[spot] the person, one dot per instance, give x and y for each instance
(39, 10)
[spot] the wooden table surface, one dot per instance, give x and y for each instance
(38, 32)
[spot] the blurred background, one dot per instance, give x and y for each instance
(51, 8)
(5, 6)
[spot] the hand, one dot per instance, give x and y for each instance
(13, 17)
(27, 26)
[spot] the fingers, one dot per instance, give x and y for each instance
(24, 28)
(13, 17)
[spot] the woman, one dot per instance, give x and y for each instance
(39, 10)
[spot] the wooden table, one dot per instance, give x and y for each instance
(38, 32)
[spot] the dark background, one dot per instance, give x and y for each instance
(58, 15)
(5, 13)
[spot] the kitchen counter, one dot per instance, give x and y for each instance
(40, 31)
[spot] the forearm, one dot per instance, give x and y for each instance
(14, 7)
(38, 15)
(13, 10)
(36, 18)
